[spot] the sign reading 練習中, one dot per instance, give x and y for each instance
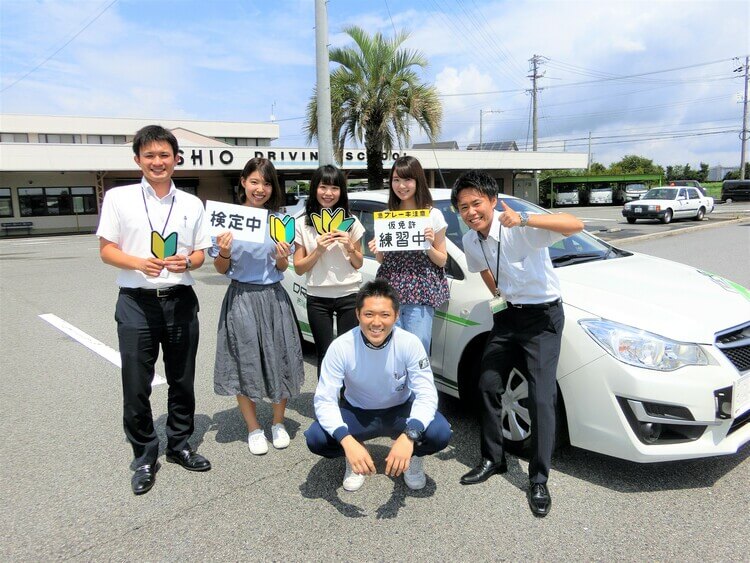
(401, 230)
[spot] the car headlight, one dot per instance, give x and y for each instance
(643, 349)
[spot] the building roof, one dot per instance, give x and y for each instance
(493, 146)
(445, 145)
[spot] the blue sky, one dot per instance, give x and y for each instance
(236, 60)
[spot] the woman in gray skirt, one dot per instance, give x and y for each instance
(258, 351)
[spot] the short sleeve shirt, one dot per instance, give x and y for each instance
(252, 262)
(526, 274)
(124, 220)
(418, 280)
(332, 275)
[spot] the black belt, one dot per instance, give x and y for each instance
(161, 292)
(548, 305)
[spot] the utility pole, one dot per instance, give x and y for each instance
(744, 132)
(535, 61)
(323, 86)
(588, 166)
(481, 111)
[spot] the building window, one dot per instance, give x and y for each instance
(239, 141)
(6, 203)
(58, 138)
(14, 138)
(106, 139)
(42, 202)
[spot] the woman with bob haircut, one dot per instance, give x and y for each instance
(258, 352)
(330, 260)
(417, 275)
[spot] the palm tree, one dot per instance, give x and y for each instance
(374, 93)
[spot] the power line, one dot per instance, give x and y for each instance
(68, 42)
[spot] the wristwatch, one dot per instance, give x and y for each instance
(413, 434)
(188, 263)
(524, 218)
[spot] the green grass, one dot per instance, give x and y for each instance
(713, 189)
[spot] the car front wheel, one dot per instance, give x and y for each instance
(631, 220)
(667, 217)
(700, 214)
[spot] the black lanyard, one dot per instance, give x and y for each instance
(496, 275)
(143, 195)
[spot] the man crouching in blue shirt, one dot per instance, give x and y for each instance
(388, 391)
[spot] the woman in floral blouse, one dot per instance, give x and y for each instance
(418, 275)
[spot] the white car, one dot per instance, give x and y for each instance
(600, 196)
(642, 376)
(669, 203)
(566, 196)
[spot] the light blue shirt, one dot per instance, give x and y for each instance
(374, 379)
(252, 262)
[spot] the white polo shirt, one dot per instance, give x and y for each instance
(526, 272)
(125, 222)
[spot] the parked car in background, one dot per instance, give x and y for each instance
(600, 196)
(642, 375)
(735, 190)
(566, 195)
(633, 192)
(669, 203)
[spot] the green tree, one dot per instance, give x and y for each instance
(702, 175)
(375, 93)
(735, 175)
(634, 164)
(597, 168)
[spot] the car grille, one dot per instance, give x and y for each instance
(735, 345)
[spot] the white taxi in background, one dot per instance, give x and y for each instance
(641, 377)
(669, 203)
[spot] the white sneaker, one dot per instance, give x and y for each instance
(414, 477)
(352, 481)
(279, 436)
(257, 443)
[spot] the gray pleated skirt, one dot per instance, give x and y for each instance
(258, 352)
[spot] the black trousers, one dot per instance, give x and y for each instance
(320, 311)
(144, 323)
(533, 337)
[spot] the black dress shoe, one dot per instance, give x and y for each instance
(539, 499)
(189, 459)
(144, 478)
(484, 471)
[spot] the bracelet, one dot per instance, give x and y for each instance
(224, 257)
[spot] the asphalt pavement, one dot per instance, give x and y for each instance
(66, 475)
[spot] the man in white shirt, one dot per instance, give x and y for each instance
(389, 391)
(509, 250)
(155, 235)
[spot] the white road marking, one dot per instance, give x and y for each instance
(584, 219)
(92, 343)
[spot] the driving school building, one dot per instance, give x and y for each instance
(54, 171)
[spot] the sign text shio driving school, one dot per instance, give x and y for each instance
(203, 157)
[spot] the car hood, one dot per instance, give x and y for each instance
(660, 296)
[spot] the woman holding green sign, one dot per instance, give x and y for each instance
(258, 352)
(328, 250)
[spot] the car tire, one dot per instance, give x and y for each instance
(631, 220)
(699, 216)
(667, 217)
(468, 374)
(728, 200)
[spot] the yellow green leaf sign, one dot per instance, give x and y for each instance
(282, 230)
(328, 221)
(163, 248)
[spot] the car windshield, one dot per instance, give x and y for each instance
(661, 193)
(581, 247)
